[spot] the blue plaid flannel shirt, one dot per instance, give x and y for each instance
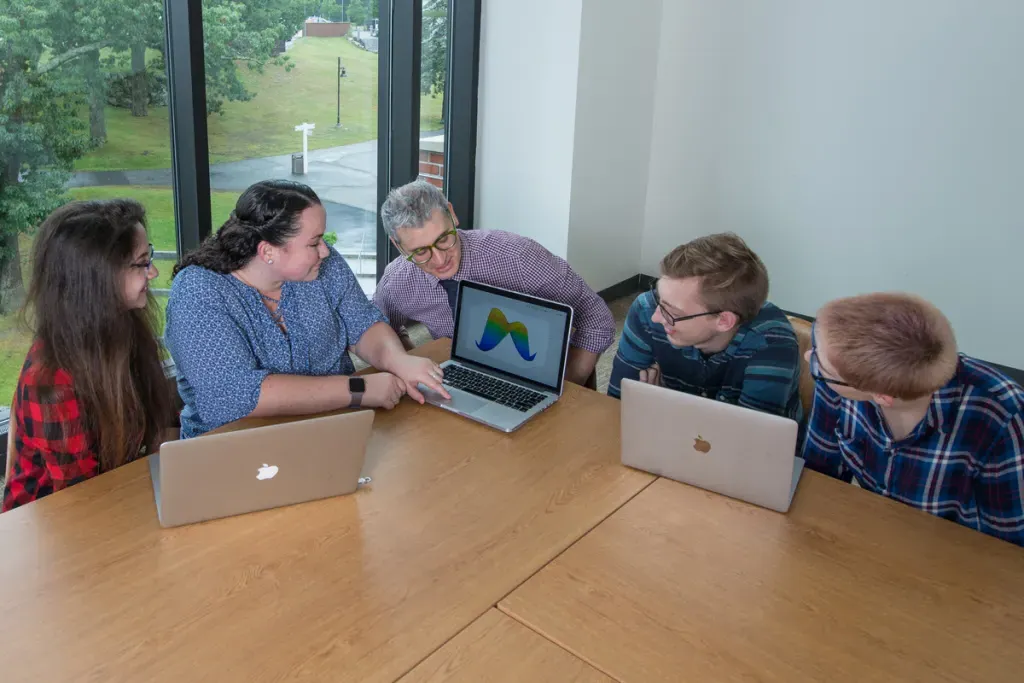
(963, 462)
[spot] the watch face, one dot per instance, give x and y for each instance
(356, 385)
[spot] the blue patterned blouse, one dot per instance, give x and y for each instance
(224, 342)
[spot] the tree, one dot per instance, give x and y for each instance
(361, 11)
(40, 131)
(237, 34)
(96, 22)
(434, 57)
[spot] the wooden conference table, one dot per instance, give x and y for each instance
(456, 565)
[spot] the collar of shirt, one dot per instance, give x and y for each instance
(941, 416)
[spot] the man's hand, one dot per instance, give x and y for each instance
(651, 375)
(414, 371)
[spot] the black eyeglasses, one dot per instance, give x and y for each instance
(148, 263)
(445, 242)
(815, 369)
(673, 319)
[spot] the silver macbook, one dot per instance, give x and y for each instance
(735, 451)
(221, 475)
(508, 356)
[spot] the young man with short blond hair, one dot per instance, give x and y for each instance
(897, 407)
(706, 328)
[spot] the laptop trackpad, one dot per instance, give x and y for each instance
(461, 401)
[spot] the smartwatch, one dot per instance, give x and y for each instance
(356, 388)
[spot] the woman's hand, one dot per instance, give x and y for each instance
(383, 390)
(413, 370)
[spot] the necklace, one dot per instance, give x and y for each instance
(275, 313)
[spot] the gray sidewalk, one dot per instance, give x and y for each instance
(344, 177)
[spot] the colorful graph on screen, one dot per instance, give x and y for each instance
(498, 327)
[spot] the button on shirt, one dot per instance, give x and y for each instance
(501, 259)
(760, 368)
(225, 343)
(963, 462)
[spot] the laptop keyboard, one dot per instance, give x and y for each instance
(485, 386)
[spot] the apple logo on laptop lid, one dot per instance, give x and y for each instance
(701, 445)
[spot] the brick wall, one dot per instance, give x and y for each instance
(334, 29)
(432, 167)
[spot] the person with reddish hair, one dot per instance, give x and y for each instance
(899, 409)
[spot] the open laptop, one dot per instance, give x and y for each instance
(728, 449)
(508, 356)
(221, 475)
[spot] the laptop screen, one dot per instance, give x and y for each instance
(513, 333)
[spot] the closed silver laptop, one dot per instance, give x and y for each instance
(221, 475)
(728, 449)
(509, 352)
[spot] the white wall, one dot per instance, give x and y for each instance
(529, 55)
(614, 113)
(858, 146)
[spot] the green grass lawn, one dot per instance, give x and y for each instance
(265, 125)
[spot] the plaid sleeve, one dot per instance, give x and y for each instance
(1000, 484)
(384, 298)
(771, 375)
(550, 277)
(820, 449)
(635, 352)
(52, 448)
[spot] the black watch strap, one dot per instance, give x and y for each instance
(356, 388)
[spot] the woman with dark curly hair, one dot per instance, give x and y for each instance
(262, 315)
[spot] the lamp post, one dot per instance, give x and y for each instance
(306, 129)
(342, 73)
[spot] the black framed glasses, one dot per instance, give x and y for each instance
(673, 319)
(815, 367)
(446, 241)
(148, 263)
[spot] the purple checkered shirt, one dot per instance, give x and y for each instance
(501, 259)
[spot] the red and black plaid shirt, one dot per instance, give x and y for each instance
(52, 447)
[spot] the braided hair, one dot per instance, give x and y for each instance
(267, 211)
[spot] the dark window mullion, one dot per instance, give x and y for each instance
(461, 102)
(398, 123)
(190, 161)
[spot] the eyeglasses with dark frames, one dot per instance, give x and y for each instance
(815, 366)
(446, 241)
(148, 263)
(674, 319)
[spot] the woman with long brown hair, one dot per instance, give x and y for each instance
(92, 393)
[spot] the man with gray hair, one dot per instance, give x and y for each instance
(421, 286)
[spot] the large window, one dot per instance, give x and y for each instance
(83, 115)
(181, 104)
(308, 113)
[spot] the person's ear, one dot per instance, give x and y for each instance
(451, 212)
(265, 252)
(726, 321)
(394, 242)
(883, 400)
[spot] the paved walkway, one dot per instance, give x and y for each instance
(344, 177)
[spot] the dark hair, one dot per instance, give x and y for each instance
(267, 211)
(76, 306)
